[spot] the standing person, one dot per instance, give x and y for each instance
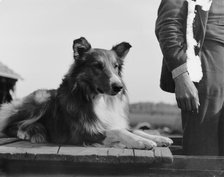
(201, 100)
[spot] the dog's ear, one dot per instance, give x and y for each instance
(80, 46)
(122, 49)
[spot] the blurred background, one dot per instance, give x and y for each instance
(36, 50)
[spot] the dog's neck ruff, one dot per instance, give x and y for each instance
(193, 60)
(112, 111)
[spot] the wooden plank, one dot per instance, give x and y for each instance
(166, 154)
(121, 155)
(107, 155)
(144, 156)
(27, 147)
(96, 154)
(83, 154)
(157, 155)
(116, 155)
(80, 151)
(120, 152)
(163, 155)
(24, 150)
(44, 168)
(8, 140)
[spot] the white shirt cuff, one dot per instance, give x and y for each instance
(179, 70)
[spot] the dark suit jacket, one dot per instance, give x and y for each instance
(170, 32)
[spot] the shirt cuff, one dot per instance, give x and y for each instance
(179, 70)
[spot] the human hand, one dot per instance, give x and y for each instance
(186, 93)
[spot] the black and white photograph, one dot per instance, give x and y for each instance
(112, 88)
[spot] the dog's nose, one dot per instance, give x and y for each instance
(116, 87)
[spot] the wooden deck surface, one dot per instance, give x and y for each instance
(14, 149)
(21, 158)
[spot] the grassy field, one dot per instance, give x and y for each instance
(158, 115)
(158, 120)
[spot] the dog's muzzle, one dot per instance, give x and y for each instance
(115, 84)
(116, 88)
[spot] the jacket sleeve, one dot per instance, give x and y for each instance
(170, 32)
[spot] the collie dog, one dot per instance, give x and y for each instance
(90, 107)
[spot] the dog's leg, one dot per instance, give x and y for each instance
(36, 133)
(160, 140)
(121, 137)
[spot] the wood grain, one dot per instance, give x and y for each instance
(23, 150)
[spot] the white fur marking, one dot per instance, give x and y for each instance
(111, 111)
(114, 78)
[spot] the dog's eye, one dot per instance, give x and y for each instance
(98, 65)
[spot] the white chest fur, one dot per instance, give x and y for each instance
(112, 111)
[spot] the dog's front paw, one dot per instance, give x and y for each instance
(126, 139)
(24, 135)
(35, 133)
(162, 141)
(159, 140)
(142, 143)
(38, 138)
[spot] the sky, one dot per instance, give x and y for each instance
(36, 39)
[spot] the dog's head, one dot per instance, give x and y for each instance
(99, 70)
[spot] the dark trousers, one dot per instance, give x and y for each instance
(203, 132)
